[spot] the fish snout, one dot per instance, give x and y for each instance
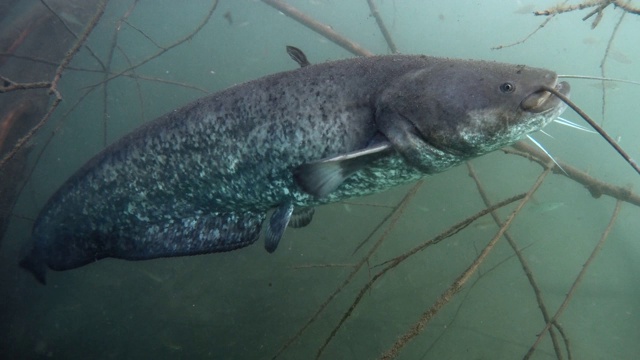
(542, 101)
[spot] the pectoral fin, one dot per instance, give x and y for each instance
(322, 177)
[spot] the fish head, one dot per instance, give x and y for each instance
(459, 109)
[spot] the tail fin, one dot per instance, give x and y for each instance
(34, 264)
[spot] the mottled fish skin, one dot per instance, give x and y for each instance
(202, 178)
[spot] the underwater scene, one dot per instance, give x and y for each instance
(359, 204)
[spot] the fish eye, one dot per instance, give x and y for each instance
(507, 88)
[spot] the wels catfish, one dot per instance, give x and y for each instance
(202, 178)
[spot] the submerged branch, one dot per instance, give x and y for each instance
(10, 85)
(601, 4)
(578, 279)
(455, 287)
(165, 49)
(53, 88)
(383, 28)
(605, 57)
(318, 27)
(596, 187)
(395, 216)
(559, 9)
(525, 266)
(391, 264)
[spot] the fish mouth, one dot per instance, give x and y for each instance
(542, 101)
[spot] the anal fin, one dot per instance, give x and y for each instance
(301, 217)
(277, 225)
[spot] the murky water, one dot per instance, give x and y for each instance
(247, 304)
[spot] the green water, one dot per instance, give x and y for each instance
(246, 304)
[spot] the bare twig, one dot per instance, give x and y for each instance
(446, 296)
(25, 139)
(165, 81)
(599, 5)
(599, 11)
(53, 88)
(10, 85)
(131, 74)
(355, 203)
(596, 187)
(383, 28)
(542, 25)
(401, 258)
(320, 28)
(105, 87)
(396, 214)
(559, 9)
(624, 5)
(64, 24)
(523, 262)
(135, 78)
(578, 279)
(602, 66)
(167, 48)
(76, 46)
(144, 34)
(72, 108)
(316, 266)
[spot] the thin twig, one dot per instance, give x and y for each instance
(390, 264)
(165, 81)
(383, 28)
(144, 34)
(446, 296)
(624, 5)
(135, 78)
(523, 262)
(320, 28)
(396, 214)
(355, 203)
(76, 46)
(25, 139)
(596, 187)
(53, 89)
(10, 85)
(542, 25)
(316, 266)
(64, 24)
(599, 11)
(578, 279)
(602, 66)
(105, 87)
(167, 48)
(89, 91)
(559, 9)
(131, 74)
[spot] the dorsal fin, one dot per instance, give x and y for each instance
(298, 56)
